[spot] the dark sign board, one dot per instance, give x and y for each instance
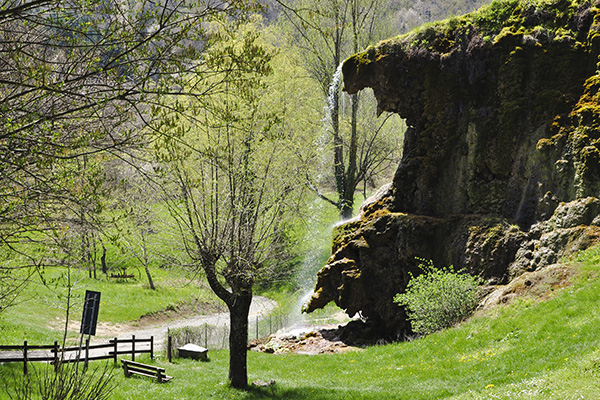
(90, 313)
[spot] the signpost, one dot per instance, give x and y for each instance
(89, 320)
(90, 313)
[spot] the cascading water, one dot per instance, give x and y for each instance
(332, 103)
(317, 239)
(318, 233)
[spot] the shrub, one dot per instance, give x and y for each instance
(69, 382)
(438, 298)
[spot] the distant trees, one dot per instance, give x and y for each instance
(77, 79)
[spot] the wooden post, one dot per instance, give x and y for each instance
(55, 356)
(25, 357)
(206, 335)
(169, 347)
(132, 347)
(152, 347)
(115, 351)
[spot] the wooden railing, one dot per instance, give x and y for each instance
(56, 355)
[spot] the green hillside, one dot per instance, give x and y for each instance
(528, 349)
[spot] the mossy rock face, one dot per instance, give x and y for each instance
(480, 94)
(503, 110)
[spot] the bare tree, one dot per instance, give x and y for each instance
(136, 201)
(329, 31)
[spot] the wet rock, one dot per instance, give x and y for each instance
(311, 340)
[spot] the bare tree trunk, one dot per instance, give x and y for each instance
(238, 339)
(103, 258)
(347, 201)
(338, 151)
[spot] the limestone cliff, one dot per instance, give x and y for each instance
(501, 165)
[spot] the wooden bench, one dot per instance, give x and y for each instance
(122, 276)
(132, 367)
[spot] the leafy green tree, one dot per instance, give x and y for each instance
(78, 78)
(230, 184)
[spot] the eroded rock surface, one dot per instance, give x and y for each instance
(501, 167)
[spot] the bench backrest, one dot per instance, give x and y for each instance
(143, 366)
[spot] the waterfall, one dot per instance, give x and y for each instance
(317, 234)
(333, 89)
(313, 258)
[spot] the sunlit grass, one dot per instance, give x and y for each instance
(40, 315)
(537, 350)
(527, 350)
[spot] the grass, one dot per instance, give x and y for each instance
(525, 350)
(39, 318)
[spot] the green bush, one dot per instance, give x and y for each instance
(438, 298)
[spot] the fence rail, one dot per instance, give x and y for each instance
(57, 355)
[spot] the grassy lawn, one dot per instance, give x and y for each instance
(39, 318)
(526, 350)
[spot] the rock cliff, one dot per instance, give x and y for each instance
(501, 166)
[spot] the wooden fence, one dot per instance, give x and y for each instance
(57, 355)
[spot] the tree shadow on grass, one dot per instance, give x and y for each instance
(303, 393)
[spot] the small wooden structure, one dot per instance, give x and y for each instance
(193, 351)
(132, 367)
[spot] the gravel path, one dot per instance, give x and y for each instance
(260, 307)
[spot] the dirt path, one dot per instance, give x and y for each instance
(260, 307)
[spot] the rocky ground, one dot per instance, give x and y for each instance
(304, 339)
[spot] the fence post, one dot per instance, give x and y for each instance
(132, 347)
(152, 347)
(25, 357)
(169, 346)
(55, 350)
(115, 350)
